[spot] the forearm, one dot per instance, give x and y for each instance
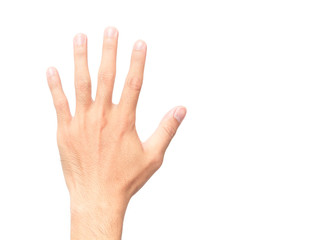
(93, 221)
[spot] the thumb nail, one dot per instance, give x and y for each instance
(180, 113)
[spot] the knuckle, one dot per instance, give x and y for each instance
(156, 160)
(134, 83)
(53, 82)
(127, 123)
(60, 103)
(83, 85)
(100, 118)
(80, 51)
(109, 45)
(63, 138)
(104, 76)
(119, 132)
(169, 130)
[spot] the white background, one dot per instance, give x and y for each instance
(250, 160)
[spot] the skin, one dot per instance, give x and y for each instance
(103, 160)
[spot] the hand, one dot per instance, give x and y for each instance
(103, 160)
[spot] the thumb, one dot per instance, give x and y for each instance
(161, 138)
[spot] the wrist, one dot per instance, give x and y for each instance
(97, 219)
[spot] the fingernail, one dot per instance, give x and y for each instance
(110, 32)
(139, 45)
(51, 71)
(180, 113)
(79, 39)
